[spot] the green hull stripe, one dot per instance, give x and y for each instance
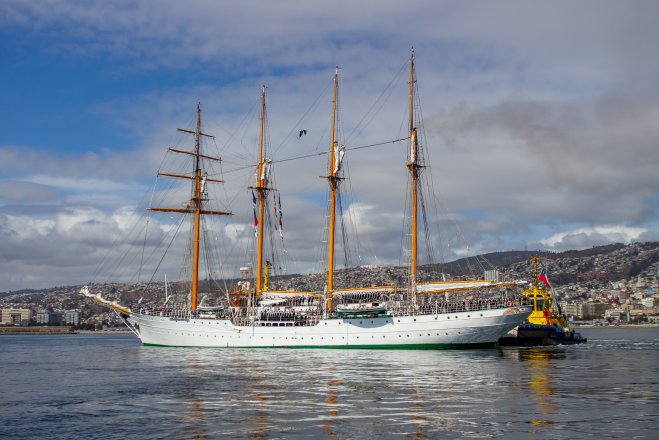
(366, 346)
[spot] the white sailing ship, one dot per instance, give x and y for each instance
(416, 315)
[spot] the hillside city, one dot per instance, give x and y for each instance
(612, 284)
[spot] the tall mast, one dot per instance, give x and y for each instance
(196, 207)
(333, 182)
(197, 215)
(261, 189)
(413, 166)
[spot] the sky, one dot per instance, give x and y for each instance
(540, 123)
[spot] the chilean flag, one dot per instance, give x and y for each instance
(256, 220)
(543, 277)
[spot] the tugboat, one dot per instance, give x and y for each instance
(547, 324)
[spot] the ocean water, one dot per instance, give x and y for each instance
(109, 386)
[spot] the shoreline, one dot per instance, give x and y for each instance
(57, 331)
(105, 332)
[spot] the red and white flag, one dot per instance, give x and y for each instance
(543, 277)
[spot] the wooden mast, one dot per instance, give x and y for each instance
(413, 166)
(197, 216)
(261, 189)
(333, 182)
(196, 208)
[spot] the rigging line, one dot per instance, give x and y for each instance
(347, 256)
(351, 148)
(302, 118)
(404, 225)
(134, 225)
(354, 230)
(426, 229)
(148, 220)
(243, 122)
(379, 143)
(389, 89)
(164, 254)
(134, 256)
(123, 256)
(321, 153)
(222, 276)
(146, 233)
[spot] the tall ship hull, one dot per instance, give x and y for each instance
(411, 313)
(457, 329)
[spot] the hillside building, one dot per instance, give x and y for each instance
(72, 317)
(15, 316)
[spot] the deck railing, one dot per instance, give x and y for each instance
(287, 316)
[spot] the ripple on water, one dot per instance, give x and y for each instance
(111, 387)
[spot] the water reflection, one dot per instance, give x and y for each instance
(417, 411)
(332, 408)
(541, 381)
(257, 394)
(94, 382)
(195, 417)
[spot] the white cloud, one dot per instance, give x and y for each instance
(26, 192)
(126, 218)
(543, 118)
(89, 184)
(236, 232)
(591, 236)
(22, 227)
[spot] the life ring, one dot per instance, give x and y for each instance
(509, 303)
